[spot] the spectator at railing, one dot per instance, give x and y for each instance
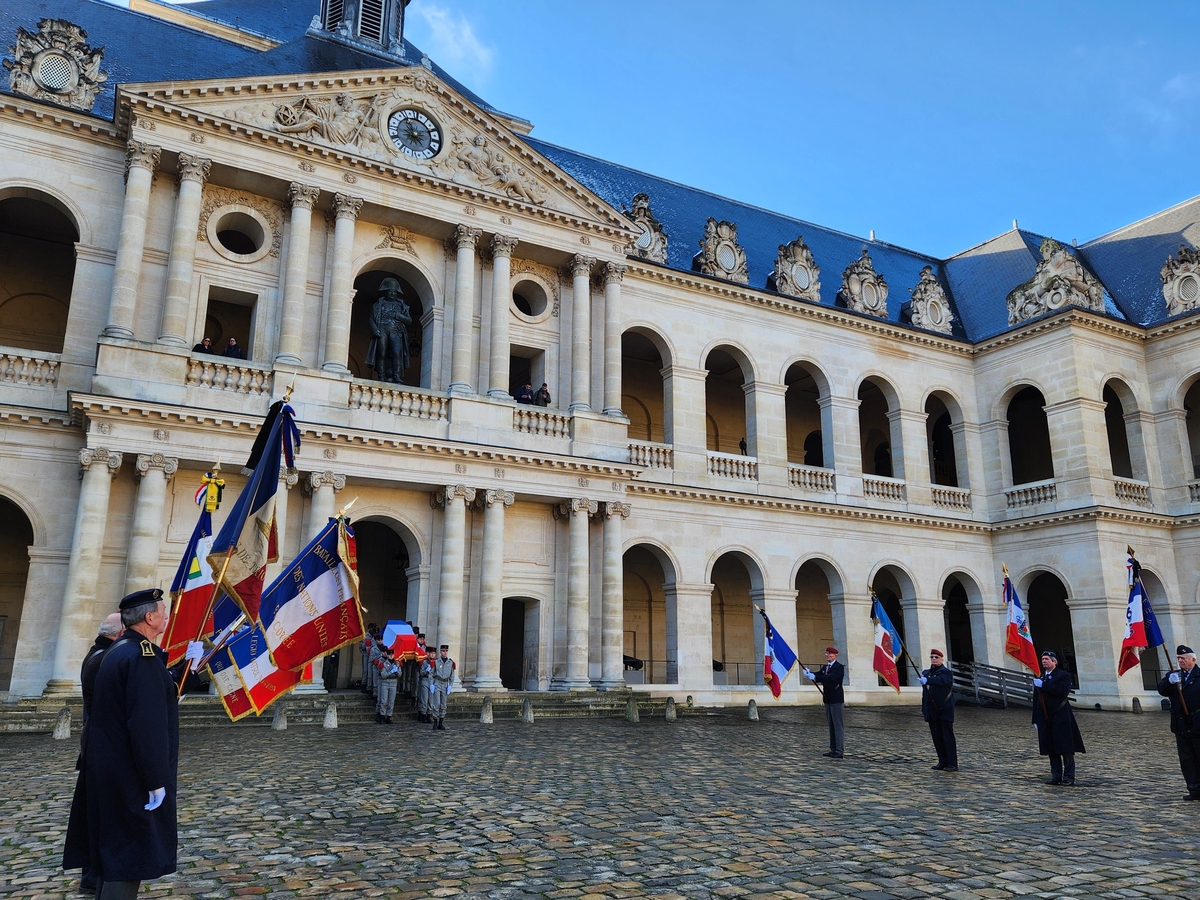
(525, 395)
(205, 346)
(542, 397)
(233, 351)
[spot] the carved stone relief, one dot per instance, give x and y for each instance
(1181, 281)
(863, 289)
(796, 272)
(216, 197)
(929, 307)
(720, 254)
(396, 237)
(1060, 280)
(56, 65)
(651, 244)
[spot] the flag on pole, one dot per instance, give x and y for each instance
(250, 532)
(888, 645)
(312, 607)
(402, 639)
(1018, 642)
(229, 686)
(263, 681)
(190, 592)
(1141, 625)
(779, 659)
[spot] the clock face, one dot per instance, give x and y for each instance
(415, 134)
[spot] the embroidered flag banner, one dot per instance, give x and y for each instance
(1018, 642)
(190, 592)
(888, 646)
(779, 659)
(263, 681)
(1141, 625)
(229, 686)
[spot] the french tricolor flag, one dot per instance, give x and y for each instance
(1018, 641)
(779, 659)
(263, 681)
(312, 607)
(190, 592)
(888, 646)
(229, 687)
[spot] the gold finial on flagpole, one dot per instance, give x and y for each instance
(287, 392)
(345, 509)
(1005, 569)
(1129, 550)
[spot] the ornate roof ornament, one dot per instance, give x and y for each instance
(929, 307)
(863, 289)
(1060, 280)
(56, 65)
(1181, 281)
(796, 272)
(651, 244)
(720, 254)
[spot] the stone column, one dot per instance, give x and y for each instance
(612, 634)
(613, 274)
(854, 636)
(341, 283)
(145, 541)
(323, 486)
(193, 172)
(929, 617)
(78, 621)
(491, 592)
(502, 249)
(287, 481)
(766, 430)
(847, 444)
(140, 162)
(581, 332)
(465, 239)
(454, 558)
(578, 592)
(691, 628)
(302, 198)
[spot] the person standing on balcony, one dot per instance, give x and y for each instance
(205, 346)
(542, 397)
(525, 395)
(233, 351)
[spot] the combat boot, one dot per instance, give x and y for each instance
(378, 718)
(388, 720)
(441, 725)
(434, 724)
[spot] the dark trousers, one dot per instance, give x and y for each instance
(118, 890)
(837, 733)
(1188, 746)
(1062, 767)
(944, 742)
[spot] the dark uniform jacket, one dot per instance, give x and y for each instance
(830, 677)
(1057, 732)
(87, 683)
(937, 700)
(1187, 691)
(132, 749)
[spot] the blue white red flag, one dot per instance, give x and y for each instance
(1018, 641)
(263, 681)
(312, 607)
(230, 688)
(191, 592)
(1141, 626)
(779, 659)
(888, 645)
(402, 639)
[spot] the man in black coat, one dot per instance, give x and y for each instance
(1058, 735)
(1183, 689)
(122, 824)
(830, 677)
(937, 706)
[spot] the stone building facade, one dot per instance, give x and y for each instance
(729, 428)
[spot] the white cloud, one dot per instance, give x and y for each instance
(451, 42)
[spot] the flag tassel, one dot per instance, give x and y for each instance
(212, 602)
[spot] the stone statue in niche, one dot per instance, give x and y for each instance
(388, 353)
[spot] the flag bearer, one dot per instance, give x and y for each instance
(1183, 689)
(830, 677)
(443, 674)
(1058, 735)
(389, 679)
(937, 706)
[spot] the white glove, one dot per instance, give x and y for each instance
(1037, 682)
(432, 688)
(195, 653)
(809, 675)
(924, 680)
(156, 798)
(1173, 678)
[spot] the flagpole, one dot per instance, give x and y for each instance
(212, 601)
(1165, 648)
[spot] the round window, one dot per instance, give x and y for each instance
(530, 299)
(1189, 288)
(645, 239)
(870, 295)
(240, 234)
(56, 73)
(800, 276)
(726, 258)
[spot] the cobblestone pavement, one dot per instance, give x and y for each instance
(712, 806)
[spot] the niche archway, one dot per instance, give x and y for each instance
(725, 400)
(16, 536)
(643, 395)
(809, 419)
(879, 428)
(37, 271)
(388, 561)
(416, 293)
(736, 635)
(1029, 437)
(650, 617)
(1050, 621)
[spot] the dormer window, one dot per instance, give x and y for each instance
(377, 24)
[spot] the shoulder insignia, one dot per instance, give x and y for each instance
(147, 648)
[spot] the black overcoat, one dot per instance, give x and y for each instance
(830, 676)
(1185, 694)
(937, 699)
(132, 749)
(1052, 714)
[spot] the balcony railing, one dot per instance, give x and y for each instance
(730, 465)
(239, 377)
(399, 401)
(1031, 494)
(951, 497)
(737, 673)
(536, 421)
(883, 488)
(1194, 491)
(651, 455)
(811, 478)
(27, 368)
(1130, 491)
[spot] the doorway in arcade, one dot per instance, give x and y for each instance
(382, 587)
(519, 644)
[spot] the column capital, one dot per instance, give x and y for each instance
(581, 266)
(142, 155)
(466, 237)
(90, 456)
(289, 478)
(302, 196)
(346, 207)
(506, 498)
(325, 479)
(617, 508)
(503, 245)
(614, 273)
(193, 168)
(148, 461)
(575, 506)
(443, 496)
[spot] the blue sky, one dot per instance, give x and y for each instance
(936, 124)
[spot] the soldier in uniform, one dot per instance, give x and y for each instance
(1058, 735)
(365, 647)
(425, 685)
(389, 681)
(1183, 689)
(443, 674)
(830, 677)
(937, 706)
(373, 657)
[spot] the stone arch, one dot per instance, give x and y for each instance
(1126, 450)
(1047, 601)
(645, 354)
(16, 537)
(966, 637)
(30, 511)
(1005, 397)
(1152, 664)
(1030, 449)
(418, 293)
(651, 614)
(897, 592)
(879, 427)
(727, 399)
(737, 640)
(62, 202)
(1186, 399)
(816, 581)
(945, 438)
(809, 417)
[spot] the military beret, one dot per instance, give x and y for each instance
(832, 650)
(936, 652)
(140, 598)
(1051, 654)
(1183, 650)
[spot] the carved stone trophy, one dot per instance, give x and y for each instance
(388, 353)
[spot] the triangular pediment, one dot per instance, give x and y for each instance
(407, 119)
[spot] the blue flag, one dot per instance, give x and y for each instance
(1154, 635)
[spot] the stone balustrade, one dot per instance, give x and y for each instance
(881, 488)
(811, 478)
(1194, 491)
(398, 401)
(730, 465)
(532, 420)
(17, 367)
(1130, 491)
(1031, 494)
(951, 497)
(229, 375)
(651, 455)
